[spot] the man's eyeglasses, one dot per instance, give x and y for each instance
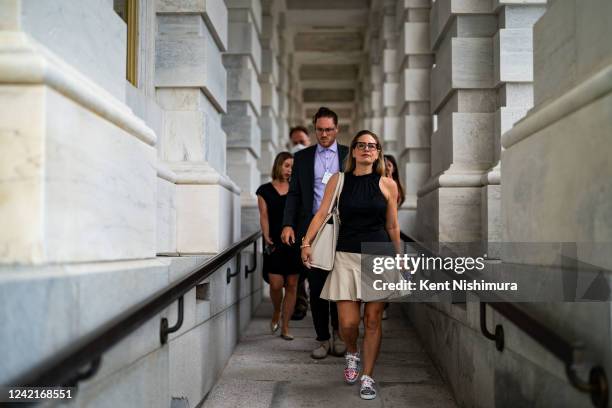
(325, 130)
(363, 145)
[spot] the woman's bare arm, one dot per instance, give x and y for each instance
(389, 189)
(263, 220)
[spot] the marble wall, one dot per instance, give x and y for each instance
(138, 371)
(192, 89)
(413, 61)
(87, 34)
(65, 139)
(99, 176)
(513, 76)
(395, 93)
(243, 62)
(508, 166)
(555, 163)
(272, 140)
(463, 101)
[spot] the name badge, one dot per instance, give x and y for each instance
(326, 177)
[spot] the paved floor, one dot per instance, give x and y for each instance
(267, 371)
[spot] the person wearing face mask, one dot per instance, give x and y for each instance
(368, 214)
(299, 139)
(312, 169)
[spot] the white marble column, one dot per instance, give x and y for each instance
(388, 55)
(191, 88)
(285, 87)
(413, 64)
(464, 102)
(364, 107)
(243, 61)
(271, 139)
(77, 167)
(375, 122)
(372, 74)
(296, 104)
(513, 70)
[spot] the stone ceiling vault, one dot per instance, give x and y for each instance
(327, 48)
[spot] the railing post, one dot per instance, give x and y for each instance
(498, 337)
(93, 368)
(229, 273)
(164, 330)
(247, 270)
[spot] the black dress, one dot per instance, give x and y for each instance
(282, 259)
(363, 213)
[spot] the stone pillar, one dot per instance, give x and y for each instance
(271, 138)
(296, 105)
(376, 77)
(284, 88)
(464, 101)
(241, 123)
(413, 63)
(372, 72)
(76, 165)
(513, 77)
(556, 164)
(364, 109)
(190, 80)
(388, 52)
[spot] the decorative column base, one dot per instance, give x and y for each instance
(68, 194)
(208, 205)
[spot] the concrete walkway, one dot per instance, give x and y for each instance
(267, 371)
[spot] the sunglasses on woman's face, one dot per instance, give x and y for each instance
(362, 146)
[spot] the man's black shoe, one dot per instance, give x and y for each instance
(298, 316)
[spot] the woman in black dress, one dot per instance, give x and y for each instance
(280, 268)
(368, 213)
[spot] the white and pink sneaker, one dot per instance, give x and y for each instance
(351, 367)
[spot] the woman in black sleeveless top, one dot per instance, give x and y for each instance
(280, 268)
(368, 213)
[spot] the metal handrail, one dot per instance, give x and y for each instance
(82, 359)
(566, 351)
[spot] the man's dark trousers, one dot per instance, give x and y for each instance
(321, 308)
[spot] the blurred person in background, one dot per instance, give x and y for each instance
(299, 138)
(280, 268)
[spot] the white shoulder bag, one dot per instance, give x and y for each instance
(323, 246)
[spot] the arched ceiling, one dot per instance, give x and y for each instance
(327, 49)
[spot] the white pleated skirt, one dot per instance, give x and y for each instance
(344, 281)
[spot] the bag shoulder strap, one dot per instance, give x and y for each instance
(337, 192)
